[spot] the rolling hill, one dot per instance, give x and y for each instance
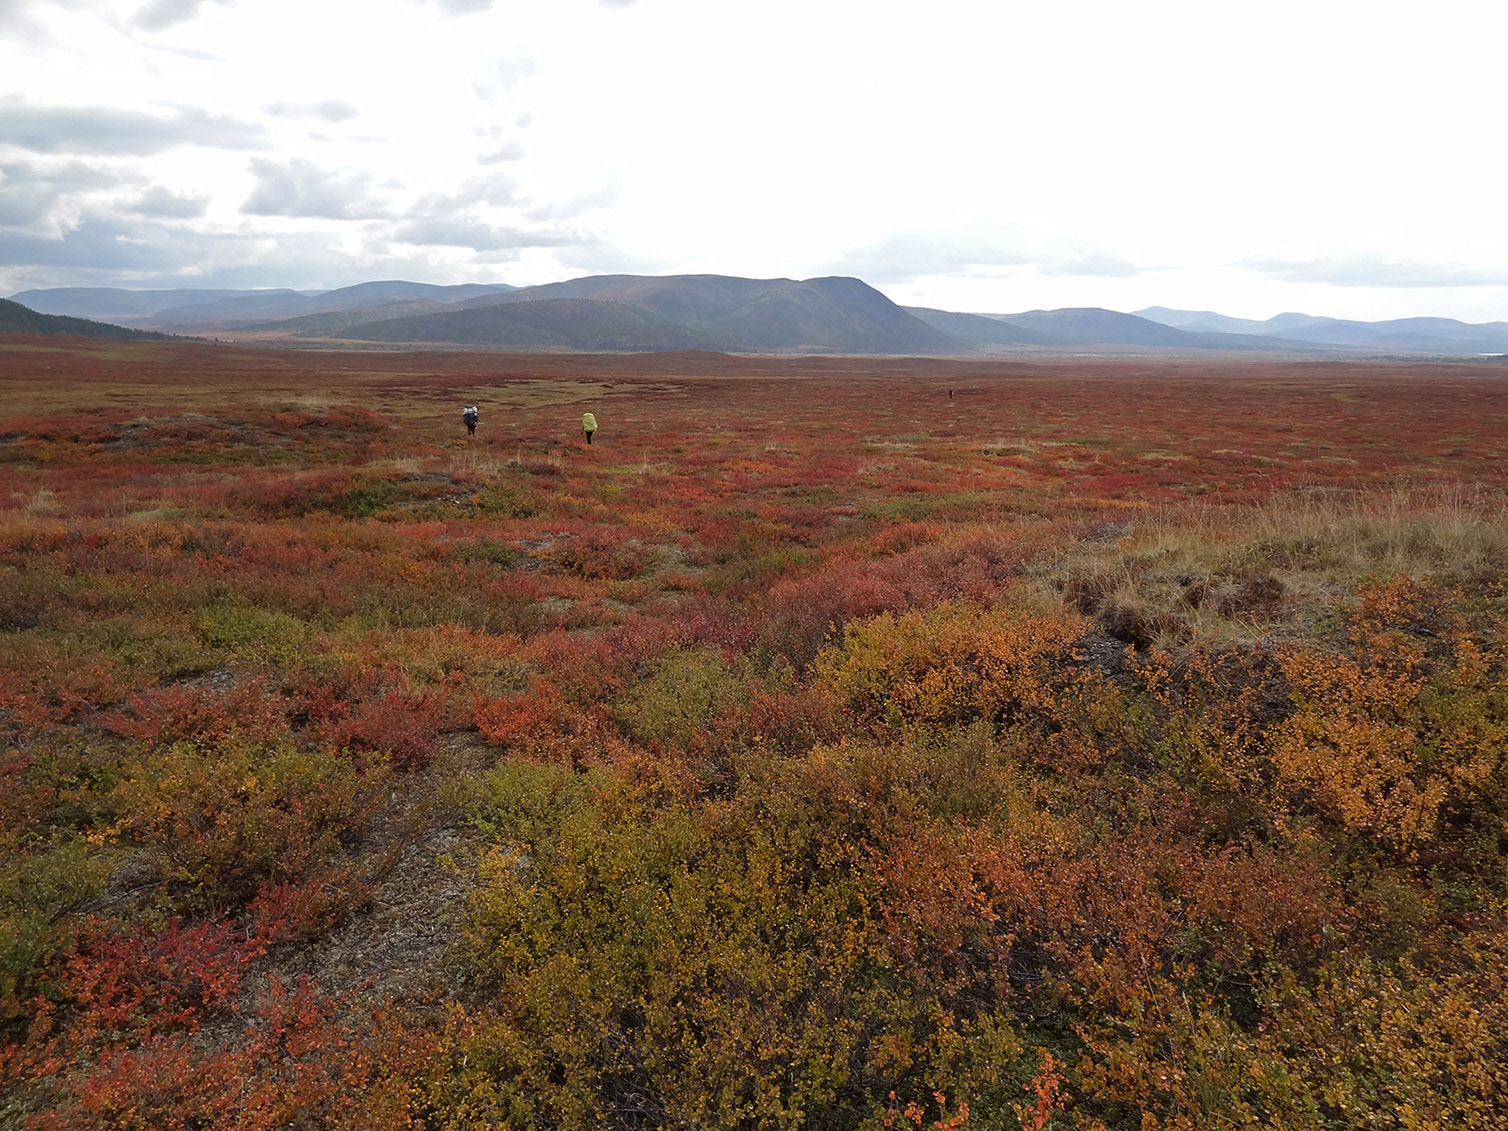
(552, 323)
(17, 318)
(629, 312)
(1084, 326)
(980, 330)
(676, 298)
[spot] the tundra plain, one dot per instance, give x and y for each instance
(834, 743)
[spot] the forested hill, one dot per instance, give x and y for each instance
(16, 318)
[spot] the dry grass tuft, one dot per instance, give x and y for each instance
(1235, 576)
(40, 504)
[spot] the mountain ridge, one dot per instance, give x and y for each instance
(831, 314)
(724, 313)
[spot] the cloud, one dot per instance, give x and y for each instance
(108, 131)
(300, 188)
(980, 247)
(501, 73)
(455, 219)
(327, 110)
(470, 7)
(24, 21)
(102, 247)
(1368, 269)
(460, 7)
(605, 195)
(30, 192)
(163, 14)
(25, 205)
(511, 150)
(492, 189)
(163, 202)
(478, 235)
(124, 250)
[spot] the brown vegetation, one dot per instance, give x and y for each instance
(1112, 745)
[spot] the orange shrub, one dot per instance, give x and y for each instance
(952, 664)
(1388, 739)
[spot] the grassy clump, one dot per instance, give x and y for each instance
(1244, 574)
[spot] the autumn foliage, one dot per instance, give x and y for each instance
(1111, 745)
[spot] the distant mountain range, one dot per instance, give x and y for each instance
(1403, 335)
(190, 311)
(716, 312)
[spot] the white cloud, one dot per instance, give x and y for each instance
(111, 131)
(325, 109)
(163, 14)
(164, 202)
(603, 196)
(103, 247)
(31, 193)
(1362, 269)
(478, 235)
(31, 22)
(300, 188)
(491, 189)
(510, 150)
(461, 7)
(499, 74)
(1010, 156)
(148, 252)
(978, 247)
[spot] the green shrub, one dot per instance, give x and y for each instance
(663, 962)
(219, 821)
(688, 692)
(247, 633)
(506, 500)
(36, 889)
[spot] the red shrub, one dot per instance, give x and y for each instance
(200, 712)
(373, 711)
(306, 909)
(517, 720)
(541, 723)
(139, 980)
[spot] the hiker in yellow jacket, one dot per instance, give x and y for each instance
(588, 425)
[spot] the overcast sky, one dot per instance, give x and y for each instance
(1328, 156)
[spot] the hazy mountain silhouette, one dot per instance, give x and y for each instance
(117, 304)
(1403, 335)
(980, 329)
(206, 311)
(1093, 326)
(1200, 321)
